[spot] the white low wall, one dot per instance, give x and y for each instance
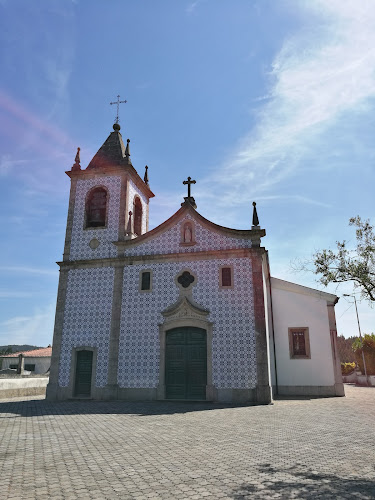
(350, 379)
(18, 387)
(361, 380)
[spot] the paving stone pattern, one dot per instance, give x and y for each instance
(312, 448)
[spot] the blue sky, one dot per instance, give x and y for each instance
(268, 100)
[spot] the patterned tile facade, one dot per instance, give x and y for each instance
(81, 237)
(89, 298)
(231, 311)
(133, 190)
(87, 319)
(169, 241)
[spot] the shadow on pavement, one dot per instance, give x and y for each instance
(300, 482)
(39, 407)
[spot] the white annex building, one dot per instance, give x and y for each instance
(187, 310)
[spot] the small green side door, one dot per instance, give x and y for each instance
(82, 385)
(186, 363)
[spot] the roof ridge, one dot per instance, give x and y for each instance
(30, 353)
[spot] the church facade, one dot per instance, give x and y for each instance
(185, 311)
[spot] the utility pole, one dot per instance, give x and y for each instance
(360, 334)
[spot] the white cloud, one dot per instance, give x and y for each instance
(296, 197)
(36, 329)
(191, 8)
(321, 72)
(7, 164)
(28, 270)
(13, 294)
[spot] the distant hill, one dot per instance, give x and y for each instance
(17, 348)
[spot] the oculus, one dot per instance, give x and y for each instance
(185, 279)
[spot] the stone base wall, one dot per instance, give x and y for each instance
(311, 390)
(19, 387)
(113, 393)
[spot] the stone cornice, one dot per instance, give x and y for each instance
(159, 258)
(277, 283)
(248, 234)
(126, 170)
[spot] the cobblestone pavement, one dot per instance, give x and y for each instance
(311, 448)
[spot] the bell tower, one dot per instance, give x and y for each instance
(109, 201)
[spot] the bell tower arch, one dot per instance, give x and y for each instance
(101, 197)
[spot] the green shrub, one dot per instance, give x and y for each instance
(347, 368)
(367, 345)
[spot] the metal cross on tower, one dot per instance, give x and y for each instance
(189, 182)
(118, 102)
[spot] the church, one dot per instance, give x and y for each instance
(185, 311)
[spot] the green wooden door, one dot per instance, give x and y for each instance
(83, 373)
(186, 363)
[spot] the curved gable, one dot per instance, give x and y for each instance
(169, 236)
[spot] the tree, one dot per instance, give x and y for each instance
(345, 349)
(367, 346)
(344, 264)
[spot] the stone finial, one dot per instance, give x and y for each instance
(77, 158)
(145, 178)
(77, 161)
(129, 228)
(127, 150)
(129, 235)
(127, 153)
(255, 215)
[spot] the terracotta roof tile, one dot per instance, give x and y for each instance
(35, 353)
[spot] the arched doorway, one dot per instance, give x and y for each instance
(186, 363)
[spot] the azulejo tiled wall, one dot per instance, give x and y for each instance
(169, 241)
(81, 237)
(87, 319)
(133, 190)
(231, 311)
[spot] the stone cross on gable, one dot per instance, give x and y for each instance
(118, 102)
(189, 182)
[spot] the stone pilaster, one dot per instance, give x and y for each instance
(69, 223)
(263, 390)
(114, 340)
(21, 364)
(53, 385)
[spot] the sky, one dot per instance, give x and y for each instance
(257, 100)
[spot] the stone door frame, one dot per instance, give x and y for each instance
(189, 319)
(73, 369)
